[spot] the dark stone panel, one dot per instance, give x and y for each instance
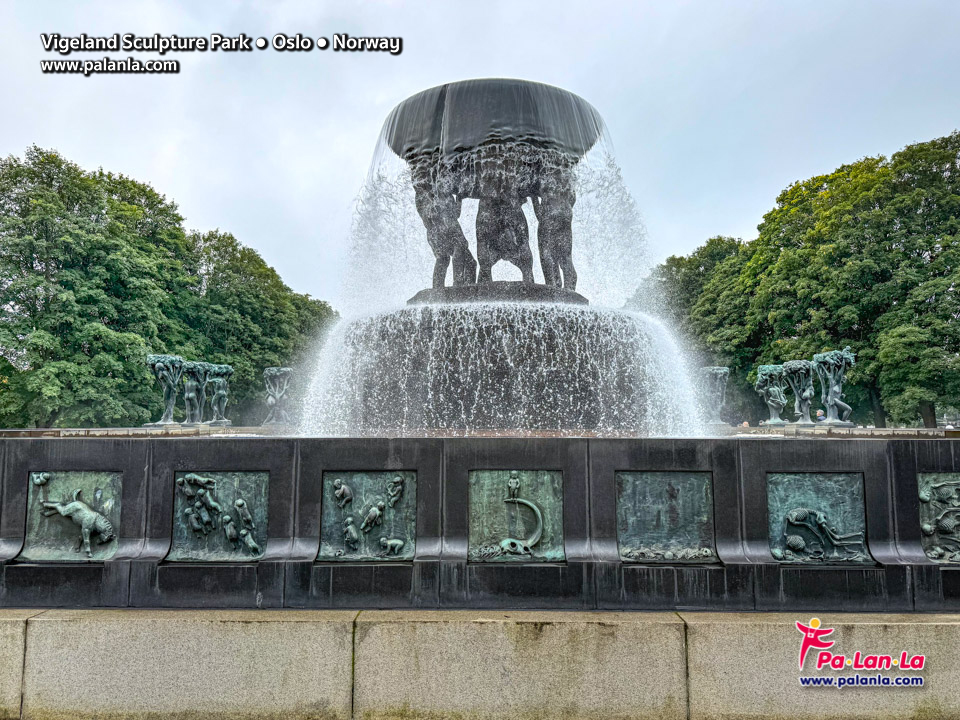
(54, 584)
(514, 586)
(841, 589)
(369, 584)
(704, 586)
(936, 584)
(156, 583)
(651, 587)
(206, 585)
(439, 574)
(517, 584)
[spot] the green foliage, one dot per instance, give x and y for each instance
(866, 256)
(96, 271)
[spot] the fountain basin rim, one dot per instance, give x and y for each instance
(498, 291)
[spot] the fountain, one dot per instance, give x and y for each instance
(389, 499)
(487, 354)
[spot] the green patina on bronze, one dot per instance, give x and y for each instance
(219, 516)
(940, 516)
(516, 516)
(817, 518)
(665, 517)
(72, 516)
(368, 516)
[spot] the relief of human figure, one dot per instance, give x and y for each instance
(394, 490)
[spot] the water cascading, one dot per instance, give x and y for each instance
(467, 175)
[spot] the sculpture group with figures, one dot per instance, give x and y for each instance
(797, 375)
(503, 143)
(170, 370)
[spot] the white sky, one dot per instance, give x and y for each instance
(713, 106)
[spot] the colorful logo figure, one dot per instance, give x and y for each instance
(812, 638)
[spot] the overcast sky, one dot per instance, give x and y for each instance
(713, 106)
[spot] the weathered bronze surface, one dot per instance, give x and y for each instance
(817, 518)
(712, 381)
(368, 516)
(799, 376)
(167, 370)
(940, 516)
(516, 516)
(72, 516)
(219, 516)
(277, 382)
(665, 517)
(831, 368)
(770, 384)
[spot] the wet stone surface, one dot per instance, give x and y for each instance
(368, 516)
(72, 516)
(219, 516)
(665, 517)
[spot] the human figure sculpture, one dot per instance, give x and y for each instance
(230, 531)
(391, 546)
(204, 514)
(195, 376)
(167, 370)
(200, 481)
(502, 234)
(500, 142)
(713, 384)
(208, 501)
(220, 384)
(277, 381)
(831, 368)
(249, 541)
(243, 512)
(799, 376)
(351, 538)
(816, 523)
(513, 484)
(374, 517)
(194, 521)
(83, 516)
(394, 490)
(439, 208)
(553, 207)
(342, 493)
(769, 386)
(186, 488)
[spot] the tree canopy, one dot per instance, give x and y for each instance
(97, 271)
(866, 256)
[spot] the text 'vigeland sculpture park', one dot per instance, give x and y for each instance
(466, 175)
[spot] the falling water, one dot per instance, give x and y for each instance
(508, 368)
(481, 367)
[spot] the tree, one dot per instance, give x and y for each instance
(70, 338)
(96, 271)
(865, 256)
(248, 318)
